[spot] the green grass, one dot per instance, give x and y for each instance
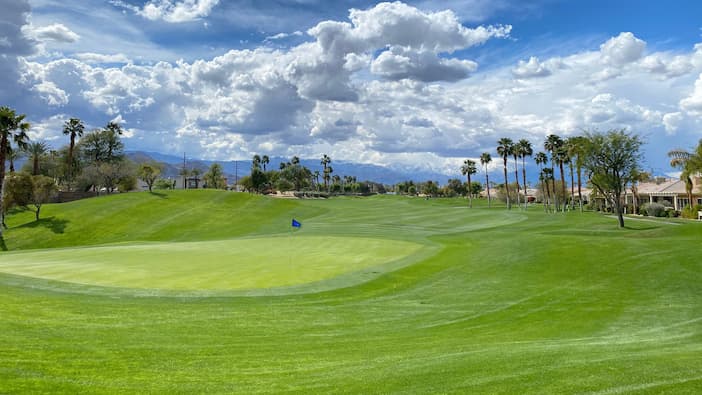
(489, 301)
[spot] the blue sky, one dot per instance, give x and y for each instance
(419, 84)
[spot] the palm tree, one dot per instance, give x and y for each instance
(325, 161)
(504, 149)
(73, 128)
(514, 150)
(690, 162)
(35, 151)
(256, 162)
(327, 176)
(12, 128)
(485, 159)
(562, 157)
(295, 160)
(12, 156)
(547, 175)
(577, 144)
(316, 179)
(524, 149)
(542, 159)
(552, 145)
(467, 170)
(264, 161)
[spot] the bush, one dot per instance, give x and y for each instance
(653, 210)
(691, 212)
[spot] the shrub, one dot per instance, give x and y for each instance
(691, 212)
(653, 210)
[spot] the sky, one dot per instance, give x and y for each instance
(409, 85)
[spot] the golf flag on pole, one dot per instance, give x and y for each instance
(296, 224)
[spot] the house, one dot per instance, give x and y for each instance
(670, 190)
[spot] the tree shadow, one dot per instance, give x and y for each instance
(159, 194)
(52, 223)
(3, 246)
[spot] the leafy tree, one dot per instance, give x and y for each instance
(43, 189)
(149, 173)
(504, 149)
(524, 149)
(18, 190)
(485, 159)
(611, 161)
(297, 175)
(12, 128)
(214, 178)
(469, 168)
(163, 183)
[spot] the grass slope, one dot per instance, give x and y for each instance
(506, 302)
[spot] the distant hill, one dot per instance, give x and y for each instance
(362, 172)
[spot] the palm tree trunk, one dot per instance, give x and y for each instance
(553, 182)
(525, 183)
(580, 193)
(3, 150)
(509, 204)
(487, 185)
(572, 187)
(563, 184)
(470, 194)
(516, 180)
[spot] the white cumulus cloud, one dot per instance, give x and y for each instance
(56, 32)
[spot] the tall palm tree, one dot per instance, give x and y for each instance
(542, 159)
(552, 144)
(547, 175)
(12, 128)
(562, 157)
(326, 160)
(256, 162)
(577, 144)
(485, 159)
(504, 149)
(524, 149)
(316, 179)
(327, 176)
(12, 156)
(35, 151)
(295, 160)
(514, 150)
(264, 161)
(73, 128)
(690, 162)
(467, 170)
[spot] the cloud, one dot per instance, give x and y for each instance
(13, 43)
(693, 103)
(398, 63)
(177, 11)
(56, 32)
(623, 49)
(533, 68)
(96, 58)
(281, 36)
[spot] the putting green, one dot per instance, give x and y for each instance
(239, 264)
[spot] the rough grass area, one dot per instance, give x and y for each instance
(491, 302)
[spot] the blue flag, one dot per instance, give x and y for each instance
(296, 224)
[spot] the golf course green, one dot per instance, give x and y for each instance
(214, 292)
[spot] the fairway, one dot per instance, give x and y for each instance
(211, 292)
(239, 264)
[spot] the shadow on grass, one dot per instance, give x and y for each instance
(3, 246)
(52, 223)
(159, 194)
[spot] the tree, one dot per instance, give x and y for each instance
(469, 168)
(541, 159)
(264, 161)
(214, 178)
(504, 149)
(612, 161)
(43, 189)
(485, 159)
(73, 128)
(514, 150)
(325, 162)
(36, 150)
(12, 128)
(524, 149)
(149, 172)
(328, 170)
(256, 162)
(577, 148)
(552, 145)
(690, 162)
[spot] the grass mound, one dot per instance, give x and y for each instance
(238, 264)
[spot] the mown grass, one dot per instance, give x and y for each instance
(505, 302)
